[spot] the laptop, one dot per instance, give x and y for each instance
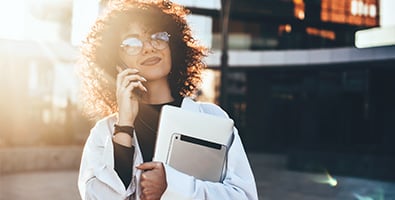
(193, 143)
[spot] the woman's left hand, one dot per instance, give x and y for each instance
(153, 180)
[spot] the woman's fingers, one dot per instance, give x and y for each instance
(128, 79)
(127, 94)
(153, 180)
(133, 85)
(142, 87)
(122, 74)
(132, 81)
(132, 78)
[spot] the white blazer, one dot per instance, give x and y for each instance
(98, 180)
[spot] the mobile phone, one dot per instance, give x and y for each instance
(122, 64)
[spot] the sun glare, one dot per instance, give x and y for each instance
(19, 24)
(12, 19)
(325, 178)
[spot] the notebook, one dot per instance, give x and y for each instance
(193, 143)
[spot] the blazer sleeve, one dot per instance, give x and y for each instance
(239, 182)
(97, 177)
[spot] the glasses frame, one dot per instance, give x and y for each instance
(157, 40)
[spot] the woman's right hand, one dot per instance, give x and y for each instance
(128, 81)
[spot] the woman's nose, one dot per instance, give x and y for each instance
(147, 47)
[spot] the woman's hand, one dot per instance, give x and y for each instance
(153, 180)
(128, 82)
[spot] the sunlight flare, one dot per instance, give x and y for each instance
(326, 178)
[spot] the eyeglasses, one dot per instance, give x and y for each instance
(133, 45)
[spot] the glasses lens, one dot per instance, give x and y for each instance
(164, 36)
(132, 46)
(160, 40)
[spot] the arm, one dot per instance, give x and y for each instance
(97, 177)
(239, 182)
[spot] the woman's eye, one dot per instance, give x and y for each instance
(133, 42)
(161, 36)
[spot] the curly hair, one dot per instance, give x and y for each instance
(100, 54)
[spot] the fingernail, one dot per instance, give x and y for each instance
(135, 70)
(142, 78)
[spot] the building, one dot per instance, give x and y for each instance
(294, 82)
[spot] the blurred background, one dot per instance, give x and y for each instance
(310, 85)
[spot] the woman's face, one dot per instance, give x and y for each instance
(152, 60)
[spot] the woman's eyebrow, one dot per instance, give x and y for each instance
(132, 35)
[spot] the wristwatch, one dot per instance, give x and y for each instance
(124, 129)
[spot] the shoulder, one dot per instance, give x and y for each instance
(206, 107)
(213, 109)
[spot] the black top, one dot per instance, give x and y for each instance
(146, 127)
(123, 161)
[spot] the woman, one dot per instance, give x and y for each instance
(138, 57)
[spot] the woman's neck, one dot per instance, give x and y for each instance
(158, 92)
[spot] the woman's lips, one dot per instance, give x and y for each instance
(151, 61)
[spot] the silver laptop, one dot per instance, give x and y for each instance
(186, 154)
(194, 143)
